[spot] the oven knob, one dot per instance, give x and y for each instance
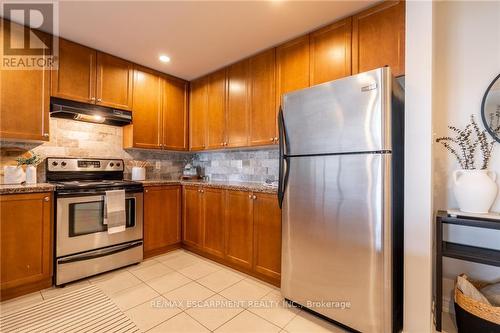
(63, 164)
(111, 164)
(117, 164)
(54, 163)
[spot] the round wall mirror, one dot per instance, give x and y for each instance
(490, 108)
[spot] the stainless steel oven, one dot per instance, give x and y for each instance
(83, 246)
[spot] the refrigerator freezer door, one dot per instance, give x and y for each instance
(347, 115)
(336, 257)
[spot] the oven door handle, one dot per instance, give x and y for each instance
(99, 253)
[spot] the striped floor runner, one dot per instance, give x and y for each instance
(84, 310)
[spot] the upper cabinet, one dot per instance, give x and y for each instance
(174, 115)
(216, 110)
(263, 112)
(330, 49)
(89, 76)
(378, 38)
(237, 104)
(24, 95)
(76, 75)
(114, 82)
(292, 66)
(198, 114)
(159, 112)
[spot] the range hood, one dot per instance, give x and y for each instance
(61, 108)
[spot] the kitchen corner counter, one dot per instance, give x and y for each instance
(28, 188)
(228, 185)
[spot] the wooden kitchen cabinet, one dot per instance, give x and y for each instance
(24, 95)
(162, 219)
(330, 51)
(216, 110)
(292, 66)
(114, 82)
(237, 112)
(25, 243)
(263, 111)
(198, 114)
(267, 235)
(89, 76)
(192, 216)
(213, 202)
(75, 77)
(175, 114)
(239, 228)
(378, 38)
(146, 115)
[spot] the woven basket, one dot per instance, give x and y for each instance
(473, 315)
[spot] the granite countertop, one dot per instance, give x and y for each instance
(27, 188)
(230, 185)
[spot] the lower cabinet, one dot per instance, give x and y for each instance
(267, 235)
(25, 243)
(238, 228)
(192, 215)
(162, 219)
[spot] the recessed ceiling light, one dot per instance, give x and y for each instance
(164, 58)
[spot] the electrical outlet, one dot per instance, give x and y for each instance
(157, 165)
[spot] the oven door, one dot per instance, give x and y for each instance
(80, 223)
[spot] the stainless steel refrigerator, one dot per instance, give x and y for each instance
(341, 191)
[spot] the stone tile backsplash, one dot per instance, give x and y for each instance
(239, 165)
(70, 138)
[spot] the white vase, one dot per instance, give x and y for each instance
(475, 190)
(13, 174)
(30, 174)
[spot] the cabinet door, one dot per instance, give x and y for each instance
(292, 66)
(267, 235)
(237, 104)
(114, 82)
(192, 217)
(331, 52)
(239, 228)
(213, 221)
(378, 38)
(76, 76)
(25, 243)
(216, 117)
(162, 218)
(198, 114)
(24, 96)
(175, 115)
(146, 109)
(263, 114)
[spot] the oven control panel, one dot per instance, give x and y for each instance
(83, 164)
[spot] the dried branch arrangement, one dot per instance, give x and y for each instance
(30, 158)
(464, 145)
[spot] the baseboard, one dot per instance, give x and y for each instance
(24, 289)
(161, 250)
(274, 281)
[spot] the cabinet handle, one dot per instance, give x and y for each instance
(99, 99)
(92, 99)
(272, 139)
(222, 143)
(46, 199)
(254, 197)
(46, 135)
(249, 196)
(276, 140)
(146, 191)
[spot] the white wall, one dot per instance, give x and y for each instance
(418, 168)
(467, 58)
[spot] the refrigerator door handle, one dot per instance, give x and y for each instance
(283, 174)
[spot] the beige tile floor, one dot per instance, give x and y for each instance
(182, 292)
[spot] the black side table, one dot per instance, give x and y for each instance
(459, 251)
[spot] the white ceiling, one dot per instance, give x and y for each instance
(199, 36)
